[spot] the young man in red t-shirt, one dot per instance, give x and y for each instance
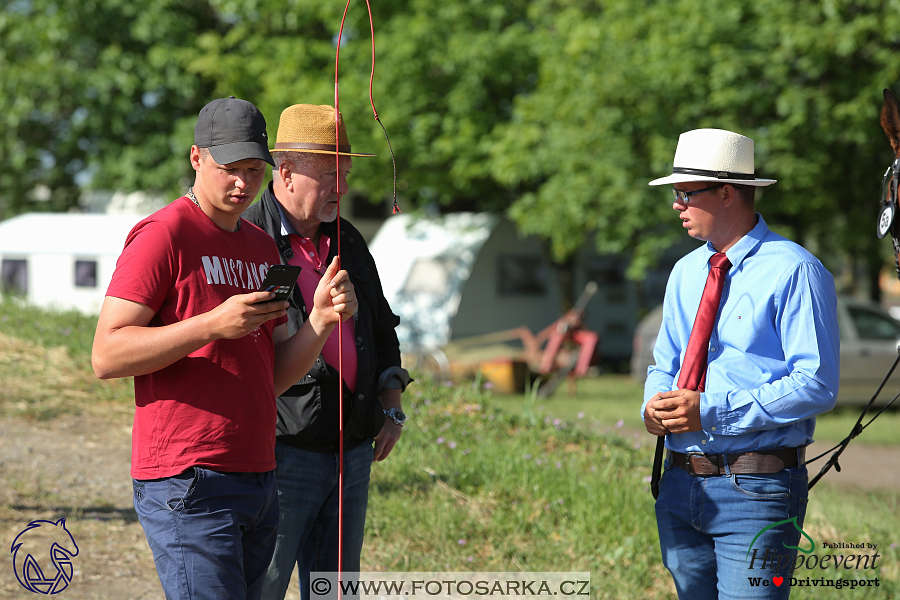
(209, 355)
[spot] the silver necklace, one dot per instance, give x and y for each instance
(194, 200)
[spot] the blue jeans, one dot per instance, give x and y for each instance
(707, 526)
(211, 533)
(308, 531)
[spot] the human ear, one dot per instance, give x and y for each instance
(195, 158)
(284, 171)
(729, 195)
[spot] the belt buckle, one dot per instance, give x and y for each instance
(690, 464)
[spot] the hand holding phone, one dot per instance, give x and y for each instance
(281, 279)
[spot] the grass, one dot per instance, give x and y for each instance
(71, 330)
(483, 483)
(607, 400)
(484, 487)
(482, 490)
(45, 365)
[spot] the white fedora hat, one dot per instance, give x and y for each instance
(713, 155)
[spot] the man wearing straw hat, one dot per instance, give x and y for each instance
(208, 353)
(737, 408)
(299, 210)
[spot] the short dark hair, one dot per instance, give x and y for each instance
(747, 193)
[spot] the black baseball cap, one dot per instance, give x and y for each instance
(233, 130)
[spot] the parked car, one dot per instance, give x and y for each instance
(869, 341)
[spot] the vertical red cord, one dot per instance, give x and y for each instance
(337, 162)
(396, 209)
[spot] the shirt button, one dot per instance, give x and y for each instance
(713, 428)
(361, 397)
(703, 442)
(712, 349)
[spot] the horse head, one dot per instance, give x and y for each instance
(888, 221)
(40, 543)
(890, 120)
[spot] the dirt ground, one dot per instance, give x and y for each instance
(77, 467)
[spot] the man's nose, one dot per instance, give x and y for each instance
(242, 180)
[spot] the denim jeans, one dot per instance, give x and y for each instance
(707, 526)
(308, 531)
(211, 533)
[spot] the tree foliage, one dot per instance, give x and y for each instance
(802, 79)
(557, 112)
(99, 89)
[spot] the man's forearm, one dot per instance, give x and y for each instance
(295, 356)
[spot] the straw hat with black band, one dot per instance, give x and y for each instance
(713, 155)
(310, 128)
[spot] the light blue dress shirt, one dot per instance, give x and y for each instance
(774, 353)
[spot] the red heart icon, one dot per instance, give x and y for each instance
(777, 581)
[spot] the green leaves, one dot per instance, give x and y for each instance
(91, 91)
(555, 112)
(617, 85)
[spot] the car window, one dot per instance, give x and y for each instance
(871, 325)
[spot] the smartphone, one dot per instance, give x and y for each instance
(280, 279)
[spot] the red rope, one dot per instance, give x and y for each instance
(396, 209)
(337, 162)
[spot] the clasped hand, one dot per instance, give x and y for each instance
(673, 412)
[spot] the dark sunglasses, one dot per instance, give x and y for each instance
(683, 197)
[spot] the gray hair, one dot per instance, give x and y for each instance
(299, 161)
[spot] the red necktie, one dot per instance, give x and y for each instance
(693, 369)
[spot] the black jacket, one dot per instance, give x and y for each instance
(308, 411)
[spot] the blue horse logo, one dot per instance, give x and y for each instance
(32, 544)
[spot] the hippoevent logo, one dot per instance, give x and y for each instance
(785, 567)
(42, 556)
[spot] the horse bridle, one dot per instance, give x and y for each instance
(887, 223)
(888, 213)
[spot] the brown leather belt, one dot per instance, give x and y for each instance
(742, 463)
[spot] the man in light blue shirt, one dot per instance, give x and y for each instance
(735, 451)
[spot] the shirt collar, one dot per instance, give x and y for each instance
(744, 246)
(286, 227)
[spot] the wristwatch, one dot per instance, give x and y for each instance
(396, 415)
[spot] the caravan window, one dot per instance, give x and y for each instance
(86, 273)
(522, 275)
(14, 276)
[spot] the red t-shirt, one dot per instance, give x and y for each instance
(215, 407)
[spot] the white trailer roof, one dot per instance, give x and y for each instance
(65, 233)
